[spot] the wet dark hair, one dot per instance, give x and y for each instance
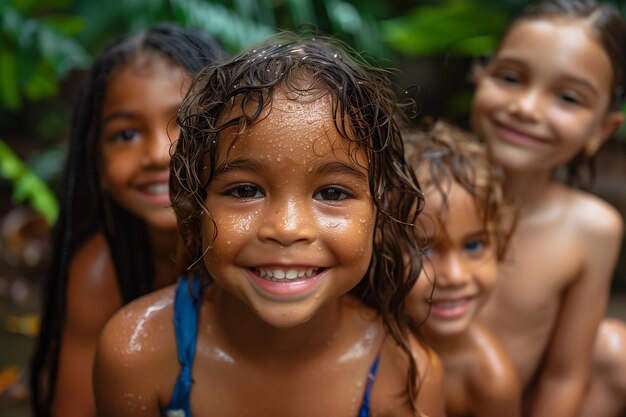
(364, 108)
(85, 209)
(609, 27)
(442, 154)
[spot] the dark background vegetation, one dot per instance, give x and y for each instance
(45, 47)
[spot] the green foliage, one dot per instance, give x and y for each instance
(36, 53)
(458, 27)
(27, 186)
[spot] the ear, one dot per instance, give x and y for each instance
(477, 72)
(610, 125)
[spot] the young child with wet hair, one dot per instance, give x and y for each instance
(465, 225)
(295, 206)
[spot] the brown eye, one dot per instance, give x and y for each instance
(331, 194)
(246, 191)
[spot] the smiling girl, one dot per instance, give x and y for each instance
(115, 238)
(295, 206)
(549, 98)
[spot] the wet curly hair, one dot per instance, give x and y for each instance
(364, 109)
(442, 154)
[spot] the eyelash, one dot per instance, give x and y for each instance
(342, 193)
(232, 190)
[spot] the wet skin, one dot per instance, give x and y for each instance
(459, 273)
(293, 213)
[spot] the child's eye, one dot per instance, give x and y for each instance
(246, 191)
(125, 135)
(332, 194)
(508, 77)
(474, 246)
(570, 97)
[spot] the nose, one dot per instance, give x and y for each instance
(451, 270)
(287, 222)
(156, 150)
(527, 105)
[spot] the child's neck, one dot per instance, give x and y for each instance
(163, 245)
(255, 338)
(446, 344)
(527, 189)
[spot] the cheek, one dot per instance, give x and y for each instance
(416, 302)
(486, 275)
(350, 234)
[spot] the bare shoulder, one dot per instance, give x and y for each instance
(594, 216)
(93, 294)
(142, 326)
(430, 398)
(494, 380)
(136, 353)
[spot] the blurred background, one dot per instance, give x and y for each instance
(46, 45)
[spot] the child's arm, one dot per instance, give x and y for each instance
(565, 372)
(134, 358)
(92, 298)
(496, 389)
(430, 397)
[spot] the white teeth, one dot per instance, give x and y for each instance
(286, 275)
(162, 188)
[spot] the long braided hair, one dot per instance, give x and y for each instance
(86, 210)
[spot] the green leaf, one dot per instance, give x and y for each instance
(42, 84)
(455, 26)
(9, 91)
(233, 31)
(26, 185)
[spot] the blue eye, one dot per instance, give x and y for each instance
(331, 194)
(245, 191)
(427, 251)
(474, 246)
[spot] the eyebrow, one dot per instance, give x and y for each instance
(125, 114)
(241, 165)
(338, 167)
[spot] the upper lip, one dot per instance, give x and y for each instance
(519, 131)
(451, 298)
(154, 179)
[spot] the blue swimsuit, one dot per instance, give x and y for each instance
(186, 310)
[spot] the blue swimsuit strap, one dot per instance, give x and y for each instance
(364, 411)
(186, 311)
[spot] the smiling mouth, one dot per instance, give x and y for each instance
(286, 275)
(450, 304)
(515, 135)
(156, 189)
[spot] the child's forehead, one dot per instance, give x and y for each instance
(292, 125)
